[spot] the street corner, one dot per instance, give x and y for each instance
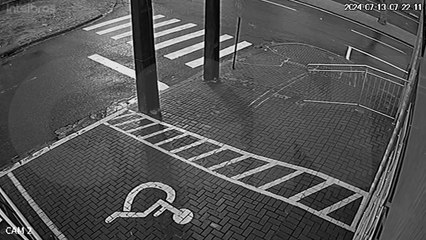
(134, 177)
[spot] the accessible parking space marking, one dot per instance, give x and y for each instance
(36, 208)
(243, 164)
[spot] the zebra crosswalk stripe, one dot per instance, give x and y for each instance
(173, 30)
(176, 40)
(107, 23)
(224, 52)
(120, 68)
(193, 48)
(156, 25)
(113, 29)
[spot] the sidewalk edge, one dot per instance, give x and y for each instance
(55, 144)
(20, 48)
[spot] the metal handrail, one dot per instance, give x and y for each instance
(356, 65)
(401, 119)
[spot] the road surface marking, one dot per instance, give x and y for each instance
(249, 156)
(206, 154)
(155, 133)
(193, 48)
(279, 5)
(234, 160)
(107, 22)
(171, 139)
(21, 217)
(173, 30)
(21, 233)
(379, 59)
(188, 146)
(387, 45)
(113, 29)
(312, 190)
(177, 39)
(129, 121)
(340, 204)
(281, 180)
(348, 53)
(36, 208)
(121, 69)
(180, 216)
(253, 171)
(224, 52)
(156, 25)
(141, 127)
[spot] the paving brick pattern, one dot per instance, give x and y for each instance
(288, 183)
(262, 111)
(81, 182)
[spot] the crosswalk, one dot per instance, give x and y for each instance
(181, 34)
(322, 195)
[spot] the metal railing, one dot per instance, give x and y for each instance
(376, 206)
(360, 85)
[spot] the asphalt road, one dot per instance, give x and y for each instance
(54, 83)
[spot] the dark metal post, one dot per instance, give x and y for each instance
(145, 62)
(211, 39)
(237, 33)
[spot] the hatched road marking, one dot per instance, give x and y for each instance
(246, 157)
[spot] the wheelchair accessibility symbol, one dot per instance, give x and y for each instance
(180, 216)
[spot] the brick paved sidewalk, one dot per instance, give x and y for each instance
(245, 158)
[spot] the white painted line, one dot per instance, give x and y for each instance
(224, 52)
(129, 121)
(312, 190)
(173, 30)
(155, 133)
(112, 29)
(348, 53)
(253, 171)
(21, 217)
(42, 151)
(340, 204)
(36, 208)
(192, 48)
(265, 159)
(156, 25)
(385, 44)
(259, 97)
(109, 30)
(199, 142)
(235, 160)
(279, 5)
(281, 180)
(11, 224)
(381, 60)
(250, 187)
(207, 154)
(141, 127)
(178, 39)
(107, 23)
(171, 139)
(121, 69)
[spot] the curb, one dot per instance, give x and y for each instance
(351, 20)
(43, 148)
(20, 48)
